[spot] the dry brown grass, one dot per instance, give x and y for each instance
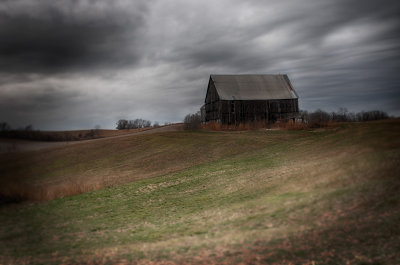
(100, 133)
(289, 125)
(68, 170)
(216, 126)
(67, 136)
(301, 197)
(18, 192)
(281, 125)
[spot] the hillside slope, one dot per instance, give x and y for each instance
(67, 138)
(277, 197)
(73, 169)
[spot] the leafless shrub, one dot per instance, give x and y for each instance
(372, 115)
(192, 121)
(213, 126)
(290, 125)
(318, 118)
(133, 124)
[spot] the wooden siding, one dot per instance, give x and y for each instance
(212, 104)
(242, 111)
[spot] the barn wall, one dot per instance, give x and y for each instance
(212, 104)
(243, 111)
(283, 109)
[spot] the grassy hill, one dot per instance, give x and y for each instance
(66, 136)
(328, 196)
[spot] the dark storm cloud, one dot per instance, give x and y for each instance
(305, 23)
(51, 36)
(75, 64)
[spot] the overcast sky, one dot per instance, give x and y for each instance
(77, 64)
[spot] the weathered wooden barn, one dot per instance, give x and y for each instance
(236, 99)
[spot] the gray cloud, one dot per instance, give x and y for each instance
(93, 62)
(53, 36)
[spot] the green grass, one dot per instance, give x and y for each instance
(80, 168)
(325, 196)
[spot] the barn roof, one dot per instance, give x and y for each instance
(253, 87)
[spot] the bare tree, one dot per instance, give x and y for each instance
(372, 115)
(318, 118)
(122, 124)
(133, 124)
(192, 121)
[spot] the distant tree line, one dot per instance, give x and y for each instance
(134, 124)
(29, 133)
(319, 117)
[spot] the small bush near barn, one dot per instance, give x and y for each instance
(192, 121)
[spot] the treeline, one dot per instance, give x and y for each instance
(320, 118)
(28, 133)
(134, 124)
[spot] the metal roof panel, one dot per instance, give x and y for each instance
(253, 87)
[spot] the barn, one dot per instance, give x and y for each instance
(236, 99)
